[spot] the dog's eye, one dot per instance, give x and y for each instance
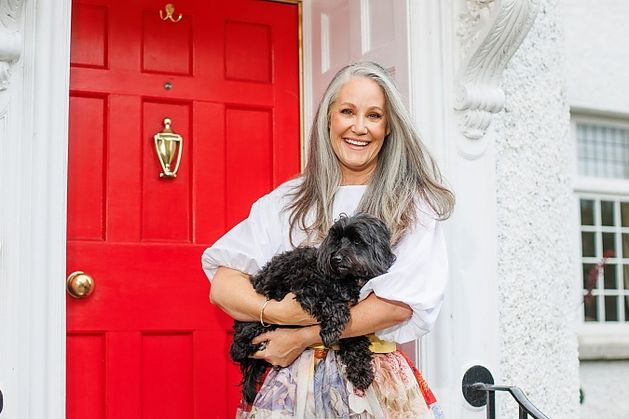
(357, 242)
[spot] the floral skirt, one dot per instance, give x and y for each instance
(314, 386)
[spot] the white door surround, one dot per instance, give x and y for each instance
(33, 149)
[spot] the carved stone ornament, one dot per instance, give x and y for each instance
(10, 38)
(490, 32)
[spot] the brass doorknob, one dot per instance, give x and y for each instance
(79, 284)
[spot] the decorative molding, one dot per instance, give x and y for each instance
(490, 32)
(365, 33)
(325, 43)
(38, 123)
(10, 38)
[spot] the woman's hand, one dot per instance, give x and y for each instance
(284, 345)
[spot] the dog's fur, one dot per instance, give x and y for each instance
(326, 282)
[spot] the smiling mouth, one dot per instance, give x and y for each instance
(357, 143)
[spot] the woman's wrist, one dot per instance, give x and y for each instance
(262, 316)
(273, 313)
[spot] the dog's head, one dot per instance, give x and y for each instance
(356, 247)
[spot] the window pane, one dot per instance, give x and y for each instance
(587, 212)
(590, 309)
(609, 277)
(625, 276)
(609, 244)
(625, 245)
(611, 308)
(624, 212)
(602, 150)
(607, 213)
(587, 244)
(590, 276)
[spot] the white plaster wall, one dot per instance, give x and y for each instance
(536, 222)
(597, 35)
(598, 63)
(606, 389)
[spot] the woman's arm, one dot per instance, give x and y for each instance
(232, 291)
(371, 314)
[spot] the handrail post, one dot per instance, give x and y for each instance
(523, 414)
(491, 405)
(479, 390)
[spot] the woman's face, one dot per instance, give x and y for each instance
(358, 125)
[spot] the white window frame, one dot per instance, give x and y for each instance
(598, 340)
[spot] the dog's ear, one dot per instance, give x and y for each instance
(324, 253)
(380, 246)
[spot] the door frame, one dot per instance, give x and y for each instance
(35, 124)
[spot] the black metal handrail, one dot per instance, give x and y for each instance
(479, 390)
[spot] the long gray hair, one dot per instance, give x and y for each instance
(405, 174)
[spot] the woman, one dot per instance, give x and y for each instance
(364, 156)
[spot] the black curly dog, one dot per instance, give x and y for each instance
(326, 282)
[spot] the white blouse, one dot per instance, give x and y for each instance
(417, 278)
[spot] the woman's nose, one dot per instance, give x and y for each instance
(359, 126)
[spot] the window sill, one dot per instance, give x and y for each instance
(603, 342)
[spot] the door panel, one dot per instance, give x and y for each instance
(157, 194)
(86, 168)
(147, 343)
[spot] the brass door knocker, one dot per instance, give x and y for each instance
(167, 145)
(170, 9)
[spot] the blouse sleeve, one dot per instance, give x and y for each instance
(250, 244)
(417, 278)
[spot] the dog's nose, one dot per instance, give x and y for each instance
(336, 260)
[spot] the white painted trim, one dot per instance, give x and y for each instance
(592, 183)
(601, 346)
(596, 185)
(603, 341)
(466, 332)
(468, 329)
(365, 34)
(600, 293)
(490, 32)
(44, 127)
(600, 118)
(307, 100)
(325, 43)
(597, 329)
(429, 104)
(577, 111)
(12, 326)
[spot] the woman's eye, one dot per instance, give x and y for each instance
(374, 116)
(346, 111)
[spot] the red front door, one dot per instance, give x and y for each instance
(147, 343)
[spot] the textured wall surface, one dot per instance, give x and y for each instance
(536, 224)
(597, 53)
(606, 389)
(598, 61)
